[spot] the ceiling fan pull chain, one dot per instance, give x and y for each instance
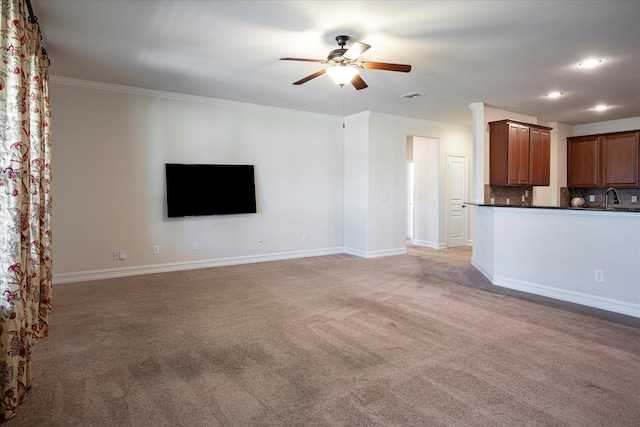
(342, 89)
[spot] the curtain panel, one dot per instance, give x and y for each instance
(25, 200)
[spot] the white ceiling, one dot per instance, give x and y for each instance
(508, 54)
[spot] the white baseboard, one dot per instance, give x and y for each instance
(615, 306)
(426, 244)
(355, 252)
(375, 254)
(481, 269)
(389, 252)
(189, 265)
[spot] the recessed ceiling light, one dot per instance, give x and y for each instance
(590, 63)
(554, 94)
(600, 107)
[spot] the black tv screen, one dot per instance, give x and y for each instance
(198, 190)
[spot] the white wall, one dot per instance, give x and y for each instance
(319, 186)
(548, 252)
(480, 172)
(632, 123)
(387, 187)
(356, 184)
(558, 166)
(110, 147)
(386, 153)
(482, 256)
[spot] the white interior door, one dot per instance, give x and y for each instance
(456, 193)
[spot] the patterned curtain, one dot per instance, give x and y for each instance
(25, 200)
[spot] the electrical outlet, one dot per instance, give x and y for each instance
(194, 246)
(592, 198)
(123, 254)
(116, 255)
(508, 201)
(634, 199)
(156, 249)
(259, 240)
(599, 276)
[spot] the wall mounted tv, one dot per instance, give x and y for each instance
(199, 190)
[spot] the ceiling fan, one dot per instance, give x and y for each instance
(344, 65)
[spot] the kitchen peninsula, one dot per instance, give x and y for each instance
(526, 237)
(586, 256)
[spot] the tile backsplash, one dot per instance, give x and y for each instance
(513, 196)
(508, 195)
(625, 195)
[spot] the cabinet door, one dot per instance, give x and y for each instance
(539, 156)
(619, 164)
(582, 162)
(518, 155)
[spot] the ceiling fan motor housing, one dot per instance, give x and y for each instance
(342, 40)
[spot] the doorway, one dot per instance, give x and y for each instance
(436, 217)
(423, 193)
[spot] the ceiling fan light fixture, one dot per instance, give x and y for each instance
(341, 74)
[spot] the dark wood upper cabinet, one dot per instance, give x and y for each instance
(519, 153)
(604, 160)
(583, 162)
(539, 156)
(619, 160)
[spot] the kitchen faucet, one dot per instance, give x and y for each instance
(615, 197)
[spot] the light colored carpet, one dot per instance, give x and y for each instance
(415, 340)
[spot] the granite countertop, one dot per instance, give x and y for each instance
(616, 208)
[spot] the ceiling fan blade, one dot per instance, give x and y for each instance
(386, 66)
(355, 51)
(312, 76)
(304, 59)
(358, 83)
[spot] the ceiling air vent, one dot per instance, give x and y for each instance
(412, 95)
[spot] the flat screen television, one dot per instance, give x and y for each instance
(202, 189)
